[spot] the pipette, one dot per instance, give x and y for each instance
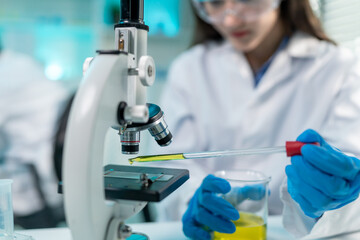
(291, 148)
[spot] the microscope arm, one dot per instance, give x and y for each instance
(113, 95)
(94, 110)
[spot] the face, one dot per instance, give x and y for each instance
(247, 35)
(245, 23)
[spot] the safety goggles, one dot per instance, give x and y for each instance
(215, 11)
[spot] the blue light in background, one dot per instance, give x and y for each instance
(162, 16)
(63, 49)
(54, 71)
(61, 40)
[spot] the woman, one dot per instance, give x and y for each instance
(260, 73)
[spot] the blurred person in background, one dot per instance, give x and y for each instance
(259, 73)
(30, 106)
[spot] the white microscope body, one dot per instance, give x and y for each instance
(113, 77)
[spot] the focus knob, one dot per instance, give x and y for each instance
(147, 71)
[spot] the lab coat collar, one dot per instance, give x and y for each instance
(303, 45)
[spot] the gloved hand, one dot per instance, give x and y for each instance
(322, 178)
(208, 212)
(255, 192)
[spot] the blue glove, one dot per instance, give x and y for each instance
(237, 195)
(208, 212)
(322, 178)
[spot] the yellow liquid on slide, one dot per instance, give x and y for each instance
(248, 227)
(155, 158)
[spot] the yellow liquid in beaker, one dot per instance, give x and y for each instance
(248, 227)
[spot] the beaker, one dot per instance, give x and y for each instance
(249, 195)
(6, 210)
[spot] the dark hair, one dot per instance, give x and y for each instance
(295, 14)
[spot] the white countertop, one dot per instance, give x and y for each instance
(170, 230)
(155, 231)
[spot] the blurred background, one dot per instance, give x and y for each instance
(61, 34)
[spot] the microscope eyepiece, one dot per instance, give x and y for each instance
(132, 11)
(132, 14)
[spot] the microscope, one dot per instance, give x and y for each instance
(98, 199)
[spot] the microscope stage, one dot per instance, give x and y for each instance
(141, 183)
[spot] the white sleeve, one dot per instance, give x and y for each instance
(180, 112)
(331, 223)
(28, 129)
(342, 130)
(178, 102)
(342, 126)
(294, 219)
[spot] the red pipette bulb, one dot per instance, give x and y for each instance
(294, 147)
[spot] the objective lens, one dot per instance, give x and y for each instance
(156, 125)
(161, 133)
(160, 129)
(130, 142)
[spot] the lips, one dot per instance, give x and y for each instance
(240, 34)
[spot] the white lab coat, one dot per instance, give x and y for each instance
(210, 103)
(29, 109)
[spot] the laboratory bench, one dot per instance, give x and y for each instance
(171, 231)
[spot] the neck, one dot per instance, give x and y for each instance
(258, 56)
